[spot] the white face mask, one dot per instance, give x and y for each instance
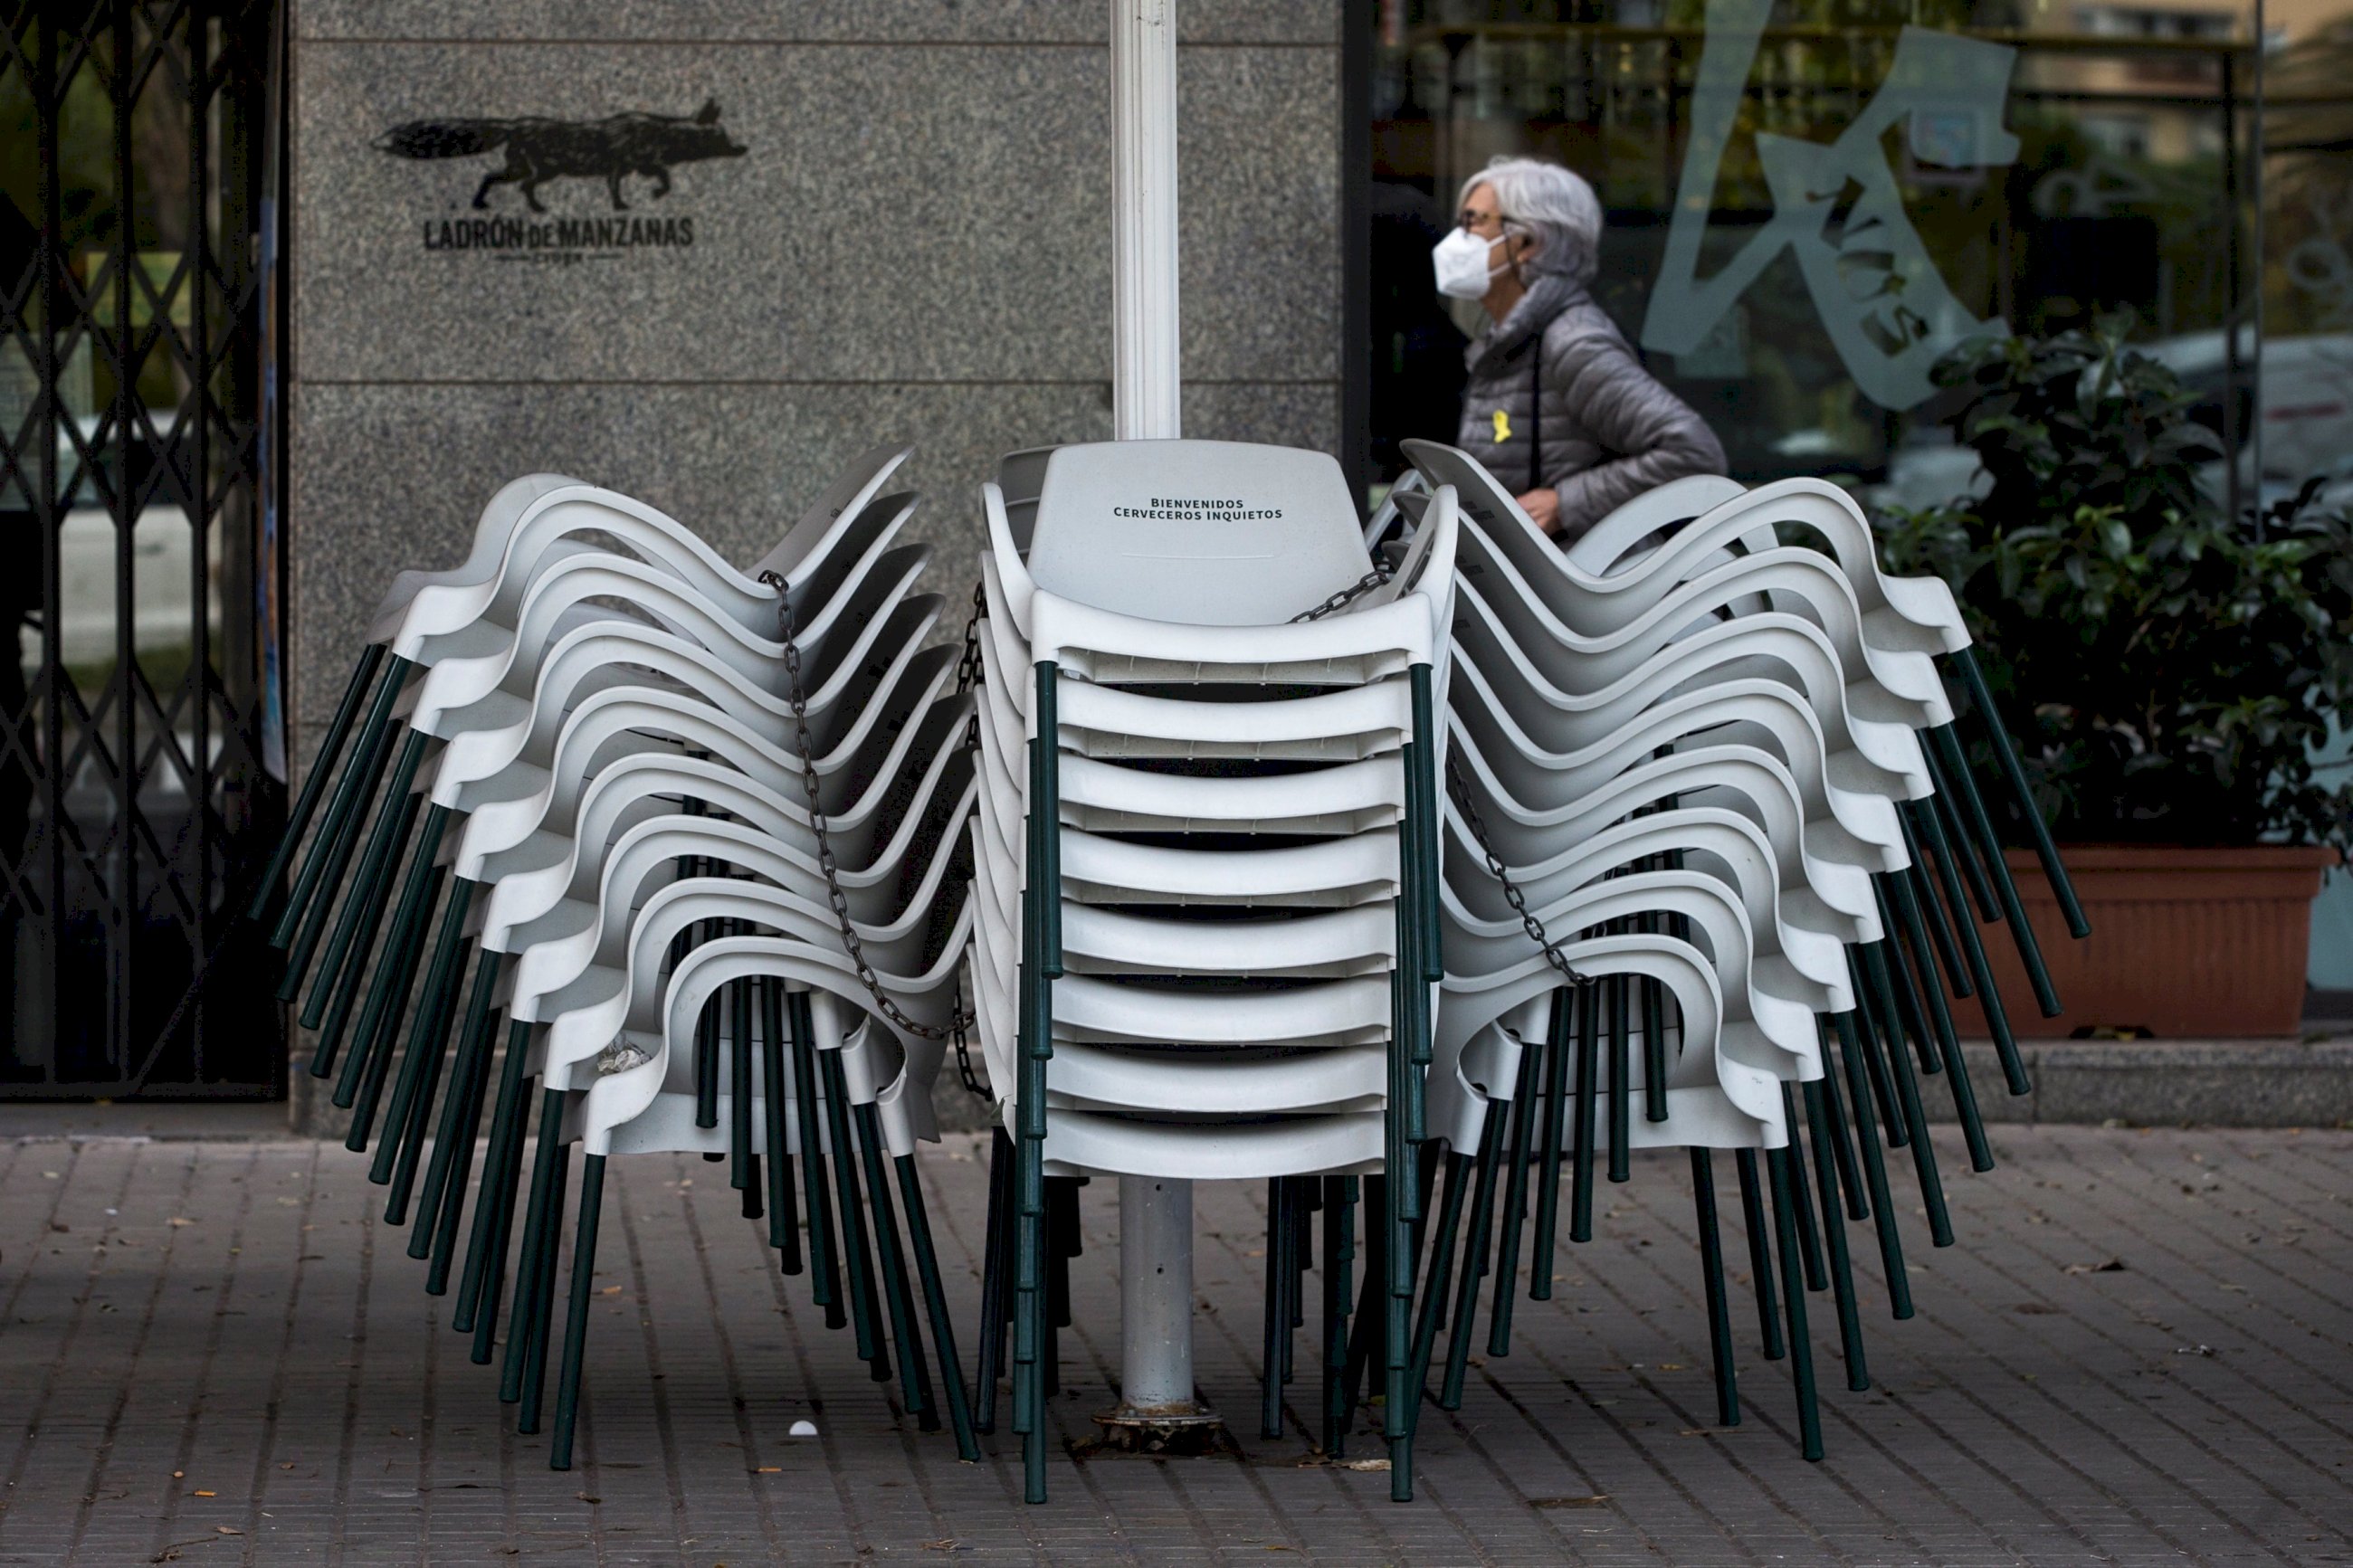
(1460, 262)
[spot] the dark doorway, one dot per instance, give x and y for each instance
(140, 744)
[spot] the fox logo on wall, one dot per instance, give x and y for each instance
(539, 151)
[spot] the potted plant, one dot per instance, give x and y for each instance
(2167, 672)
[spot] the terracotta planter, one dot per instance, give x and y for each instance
(2185, 942)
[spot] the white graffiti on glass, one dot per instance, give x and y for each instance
(2095, 190)
(2319, 265)
(1837, 207)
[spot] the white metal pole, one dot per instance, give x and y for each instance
(1156, 1296)
(1155, 1217)
(1146, 392)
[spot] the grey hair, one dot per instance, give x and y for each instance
(1554, 205)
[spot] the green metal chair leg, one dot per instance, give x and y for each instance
(2007, 753)
(1883, 1091)
(449, 1214)
(1621, 1079)
(426, 1036)
(542, 1313)
(1339, 1251)
(497, 1177)
(744, 1166)
(1029, 1284)
(2013, 1067)
(1858, 1372)
(1960, 981)
(311, 925)
(1809, 1242)
(994, 1270)
(1029, 1179)
(1907, 1095)
(706, 1059)
(387, 1003)
(1585, 1102)
(349, 976)
(784, 1203)
(371, 888)
(315, 784)
(453, 1145)
(413, 1131)
(1777, 1164)
(1516, 1203)
(1275, 1313)
(536, 1221)
(915, 1375)
(1902, 995)
(323, 862)
(1911, 954)
(1434, 1293)
(409, 1146)
(864, 1308)
(1908, 946)
(1760, 1252)
(1711, 1268)
(1304, 1200)
(825, 1272)
(1943, 808)
(1033, 1433)
(500, 1215)
(1840, 1135)
(936, 1307)
(1874, 1167)
(417, 889)
(1042, 963)
(1654, 1051)
(2029, 951)
(337, 986)
(1364, 1334)
(1474, 1259)
(1560, 1032)
(575, 1319)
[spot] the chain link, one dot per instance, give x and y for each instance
(1460, 789)
(959, 1026)
(1345, 597)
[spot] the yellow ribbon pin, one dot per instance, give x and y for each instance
(1502, 426)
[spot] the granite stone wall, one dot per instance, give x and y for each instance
(912, 243)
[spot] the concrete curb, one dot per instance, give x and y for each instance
(2138, 1083)
(2143, 1083)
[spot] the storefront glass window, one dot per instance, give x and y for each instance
(1810, 200)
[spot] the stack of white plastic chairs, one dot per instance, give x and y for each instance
(703, 838)
(1425, 889)
(1207, 859)
(1693, 759)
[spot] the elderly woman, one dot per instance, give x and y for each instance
(1557, 406)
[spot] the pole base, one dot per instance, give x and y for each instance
(1184, 1431)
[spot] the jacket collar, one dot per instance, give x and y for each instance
(1547, 297)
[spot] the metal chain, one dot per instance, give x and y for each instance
(1345, 597)
(1461, 788)
(970, 672)
(962, 1021)
(1462, 791)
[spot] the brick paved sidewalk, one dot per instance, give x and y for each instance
(237, 1315)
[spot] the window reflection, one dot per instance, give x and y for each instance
(1810, 200)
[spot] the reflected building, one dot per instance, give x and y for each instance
(1810, 200)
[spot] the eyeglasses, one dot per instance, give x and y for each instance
(1473, 222)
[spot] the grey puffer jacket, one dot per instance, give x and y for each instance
(1610, 430)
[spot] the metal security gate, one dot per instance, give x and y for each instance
(138, 576)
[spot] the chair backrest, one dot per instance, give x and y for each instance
(1200, 532)
(859, 483)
